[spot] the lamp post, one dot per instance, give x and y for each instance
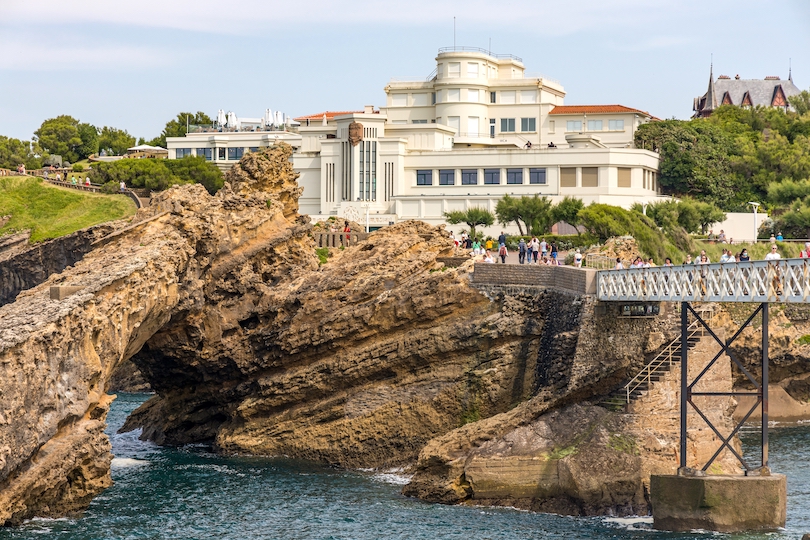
(366, 206)
(755, 206)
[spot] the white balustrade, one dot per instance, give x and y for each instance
(782, 280)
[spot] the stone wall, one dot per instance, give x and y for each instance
(576, 280)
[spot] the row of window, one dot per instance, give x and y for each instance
(472, 95)
(469, 177)
(230, 154)
(595, 125)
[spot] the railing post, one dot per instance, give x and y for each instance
(684, 376)
(765, 384)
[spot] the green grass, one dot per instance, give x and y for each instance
(804, 340)
(323, 255)
(50, 212)
(756, 251)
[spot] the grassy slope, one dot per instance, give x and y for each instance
(50, 212)
(756, 251)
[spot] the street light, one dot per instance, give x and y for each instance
(755, 206)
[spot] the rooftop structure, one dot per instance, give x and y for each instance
(768, 92)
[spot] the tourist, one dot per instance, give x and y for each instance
(522, 251)
(543, 248)
(688, 260)
(619, 265)
(502, 240)
(637, 263)
(528, 145)
(744, 256)
(710, 238)
(805, 253)
(668, 262)
(725, 256)
(73, 180)
(772, 239)
(721, 237)
(87, 181)
(548, 261)
(476, 247)
(554, 251)
(779, 237)
(489, 243)
(773, 255)
(535, 246)
(58, 177)
(123, 186)
(503, 253)
(488, 257)
(578, 259)
(650, 263)
(703, 254)
(347, 230)
(468, 243)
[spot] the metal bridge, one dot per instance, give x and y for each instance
(759, 282)
(782, 280)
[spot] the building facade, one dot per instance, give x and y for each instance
(477, 128)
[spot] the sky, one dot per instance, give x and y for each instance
(135, 64)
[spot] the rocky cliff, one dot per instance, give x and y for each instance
(377, 357)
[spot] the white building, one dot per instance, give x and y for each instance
(477, 128)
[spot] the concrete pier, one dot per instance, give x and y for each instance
(718, 503)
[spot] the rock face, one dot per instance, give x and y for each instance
(23, 265)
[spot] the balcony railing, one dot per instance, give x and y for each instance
(480, 50)
(214, 128)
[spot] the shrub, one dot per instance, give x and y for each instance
(78, 167)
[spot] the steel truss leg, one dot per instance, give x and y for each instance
(687, 392)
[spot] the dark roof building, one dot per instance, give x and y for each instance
(768, 92)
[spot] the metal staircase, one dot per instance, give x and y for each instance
(654, 371)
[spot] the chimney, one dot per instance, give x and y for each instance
(368, 109)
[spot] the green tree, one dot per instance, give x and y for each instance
(13, 152)
(788, 191)
(141, 173)
(800, 102)
(567, 210)
(196, 169)
(60, 136)
(536, 213)
(177, 126)
(115, 141)
(89, 135)
(507, 210)
(473, 217)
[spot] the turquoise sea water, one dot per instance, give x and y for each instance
(191, 493)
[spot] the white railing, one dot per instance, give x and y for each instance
(784, 280)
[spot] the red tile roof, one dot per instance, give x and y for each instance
(329, 115)
(595, 109)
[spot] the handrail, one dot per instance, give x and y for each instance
(479, 49)
(664, 357)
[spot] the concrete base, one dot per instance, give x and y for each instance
(718, 503)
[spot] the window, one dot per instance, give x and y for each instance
(399, 100)
(419, 121)
(528, 96)
(454, 69)
(454, 122)
(528, 124)
(624, 176)
(594, 125)
(568, 177)
(472, 126)
(492, 176)
(220, 153)
(492, 97)
(420, 100)
(235, 153)
(590, 177)
(469, 177)
(537, 176)
(508, 97)
(182, 152)
(551, 126)
(472, 95)
(207, 153)
(447, 177)
(507, 125)
(491, 127)
(424, 178)
(433, 98)
(472, 70)
(616, 125)
(514, 176)
(453, 94)
(573, 125)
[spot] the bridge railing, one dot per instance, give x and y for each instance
(782, 280)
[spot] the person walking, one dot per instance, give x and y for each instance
(619, 265)
(554, 251)
(503, 253)
(347, 232)
(535, 245)
(744, 256)
(522, 251)
(502, 240)
(578, 259)
(777, 278)
(805, 253)
(543, 248)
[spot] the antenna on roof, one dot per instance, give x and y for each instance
(790, 69)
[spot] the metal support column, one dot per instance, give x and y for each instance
(764, 384)
(684, 377)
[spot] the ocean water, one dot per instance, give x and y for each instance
(191, 493)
